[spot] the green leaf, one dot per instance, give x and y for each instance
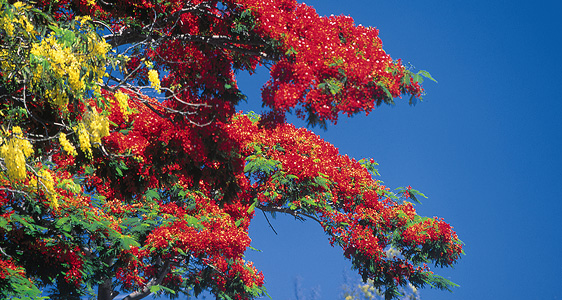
(439, 282)
(252, 248)
(255, 164)
(252, 207)
(168, 290)
(334, 86)
(88, 170)
(155, 289)
(412, 100)
(128, 241)
(406, 78)
(426, 74)
(4, 223)
(412, 193)
(254, 117)
(323, 182)
(66, 228)
(193, 222)
(152, 194)
(417, 78)
(291, 51)
(370, 166)
(389, 98)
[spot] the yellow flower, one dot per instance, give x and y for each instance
(101, 47)
(49, 184)
(16, 130)
(154, 80)
(14, 152)
(66, 145)
(123, 102)
(98, 126)
(67, 67)
(29, 27)
(93, 128)
(15, 163)
(84, 19)
(74, 78)
(9, 28)
(84, 139)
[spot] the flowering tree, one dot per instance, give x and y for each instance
(124, 167)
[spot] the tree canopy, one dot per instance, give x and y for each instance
(125, 168)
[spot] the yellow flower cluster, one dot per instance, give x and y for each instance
(14, 18)
(69, 65)
(49, 184)
(66, 145)
(84, 139)
(63, 65)
(93, 128)
(98, 126)
(14, 151)
(123, 102)
(7, 25)
(15, 25)
(56, 62)
(154, 80)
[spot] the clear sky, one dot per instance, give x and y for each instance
(484, 145)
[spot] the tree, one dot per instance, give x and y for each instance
(125, 168)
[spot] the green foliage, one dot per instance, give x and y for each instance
(370, 165)
(410, 193)
(257, 164)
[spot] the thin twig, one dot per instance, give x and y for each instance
(266, 218)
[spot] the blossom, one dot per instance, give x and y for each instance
(49, 184)
(66, 145)
(84, 139)
(154, 80)
(14, 152)
(123, 102)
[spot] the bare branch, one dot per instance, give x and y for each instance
(297, 214)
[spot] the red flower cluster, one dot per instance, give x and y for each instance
(302, 173)
(329, 64)
(8, 268)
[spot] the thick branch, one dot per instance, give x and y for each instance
(135, 36)
(105, 290)
(228, 43)
(145, 291)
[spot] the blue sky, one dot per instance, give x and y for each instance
(484, 145)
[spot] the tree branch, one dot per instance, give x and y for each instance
(145, 291)
(294, 213)
(105, 290)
